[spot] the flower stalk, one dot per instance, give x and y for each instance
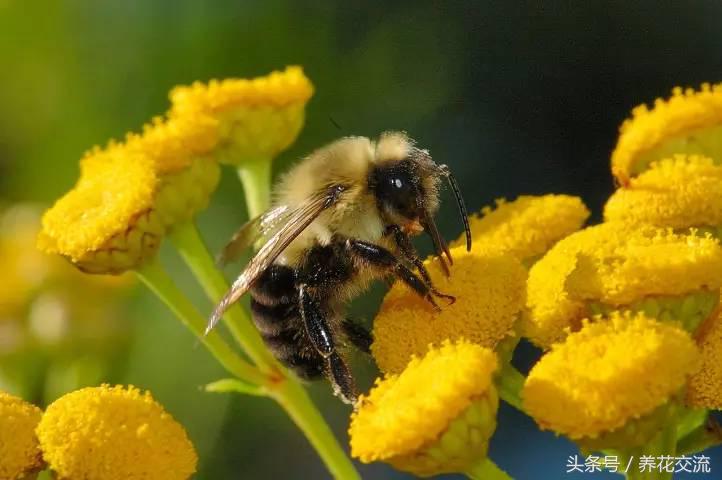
(160, 283)
(194, 252)
(255, 176)
(274, 380)
(510, 383)
(487, 470)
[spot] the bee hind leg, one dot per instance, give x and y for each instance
(322, 338)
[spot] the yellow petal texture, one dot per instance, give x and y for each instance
(688, 122)
(19, 451)
(607, 374)
(174, 143)
(407, 413)
(114, 193)
(680, 192)
(489, 291)
(258, 117)
(647, 262)
(528, 226)
(129, 195)
(705, 386)
(114, 433)
(615, 264)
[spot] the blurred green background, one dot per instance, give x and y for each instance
(517, 97)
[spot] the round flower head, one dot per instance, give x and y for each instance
(175, 143)
(106, 223)
(705, 387)
(614, 265)
(109, 433)
(680, 192)
(528, 226)
(436, 416)
(258, 117)
(129, 195)
(489, 291)
(688, 122)
(19, 452)
(603, 385)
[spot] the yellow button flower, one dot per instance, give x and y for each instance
(175, 143)
(528, 226)
(489, 291)
(688, 122)
(19, 452)
(705, 387)
(621, 267)
(680, 192)
(436, 416)
(106, 222)
(130, 194)
(109, 433)
(608, 376)
(259, 117)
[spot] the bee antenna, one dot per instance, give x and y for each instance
(444, 169)
(334, 122)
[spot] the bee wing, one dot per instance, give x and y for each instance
(261, 227)
(296, 222)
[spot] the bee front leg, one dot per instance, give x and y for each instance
(358, 335)
(380, 258)
(407, 249)
(322, 339)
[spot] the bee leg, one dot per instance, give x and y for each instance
(341, 379)
(380, 258)
(322, 339)
(409, 252)
(358, 335)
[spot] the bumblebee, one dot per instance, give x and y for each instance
(341, 218)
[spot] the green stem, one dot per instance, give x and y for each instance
(283, 387)
(700, 439)
(295, 400)
(510, 383)
(689, 420)
(487, 470)
(158, 280)
(664, 444)
(191, 247)
(255, 176)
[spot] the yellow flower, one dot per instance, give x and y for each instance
(129, 195)
(618, 266)
(436, 416)
(528, 226)
(489, 291)
(19, 452)
(175, 143)
(109, 433)
(688, 122)
(680, 192)
(106, 223)
(258, 117)
(605, 380)
(705, 387)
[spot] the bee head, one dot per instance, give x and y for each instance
(405, 182)
(402, 182)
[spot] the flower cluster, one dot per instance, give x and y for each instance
(626, 311)
(94, 433)
(131, 194)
